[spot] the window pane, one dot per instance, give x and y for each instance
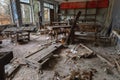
(46, 14)
(51, 6)
(26, 13)
(25, 1)
(36, 10)
(5, 12)
(46, 5)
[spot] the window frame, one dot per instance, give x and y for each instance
(30, 8)
(11, 14)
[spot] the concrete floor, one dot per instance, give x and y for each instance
(58, 64)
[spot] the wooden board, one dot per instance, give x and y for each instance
(44, 52)
(42, 56)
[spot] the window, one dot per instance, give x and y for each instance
(47, 7)
(36, 9)
(46, 14)
(25, 1)
(51, 7)
(5, 12)
(26, 13)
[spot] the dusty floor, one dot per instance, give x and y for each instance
(61, 65)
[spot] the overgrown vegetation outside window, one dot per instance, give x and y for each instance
(5, 12)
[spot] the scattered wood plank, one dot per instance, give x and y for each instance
(105, 60)
(82, 51)
(42, 56)
(86, 48)
(88, 52)
(80, 75)
(39, 48)
(34, 52)
(44, 52)
(12, 72)
(32, 64)
(117, 64)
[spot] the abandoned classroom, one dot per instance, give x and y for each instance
(59, 40)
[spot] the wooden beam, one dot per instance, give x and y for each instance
(42, 56)
(10, 74)
(117, 64)
(105, 60)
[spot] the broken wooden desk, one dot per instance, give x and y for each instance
(87, 31)
(38, 59)
(19, 33)
(54, 31)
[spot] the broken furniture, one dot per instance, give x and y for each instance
(87, 31)
(42, 56)
(5, 58)
(80, 75)
(54, 31)
(19, 33)
(80, 51)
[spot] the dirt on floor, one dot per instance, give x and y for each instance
(60, 66)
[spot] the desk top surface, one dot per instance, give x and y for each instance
(59, 22)
(19, 29)
(58, 27)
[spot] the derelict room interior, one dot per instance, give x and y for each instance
(59, 40)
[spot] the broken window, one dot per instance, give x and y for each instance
(5, 12)
(36, 9)
(25, 1)
(26, 13)
(51, 6)
(46, 14)
(47, 8)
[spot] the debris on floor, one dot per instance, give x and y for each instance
(80, 75)
(79, 51)
(77, 62)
